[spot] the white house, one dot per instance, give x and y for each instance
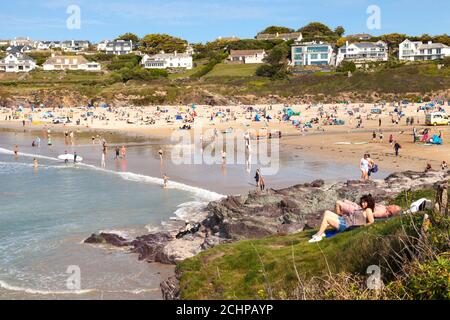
(101, 46)
(17, 62)
(247, 56)
(167, 60)
(419, 51)
(19, 49)
(75, 45)
(362, 52)
(118, 47)
(21, 41)
(48, 45)
(70, 63)
(4, 43)
(312, 54)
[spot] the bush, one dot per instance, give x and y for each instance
(129, 61)
(347, 66)
(137, 73)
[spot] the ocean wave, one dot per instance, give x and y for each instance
(8, 287)
(199, 192)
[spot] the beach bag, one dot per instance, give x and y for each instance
(375, 169)
(420, 205)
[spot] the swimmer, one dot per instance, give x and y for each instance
(35, 162)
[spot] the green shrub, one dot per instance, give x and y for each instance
(347, 66)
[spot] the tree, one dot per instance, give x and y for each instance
(276, 67)
(155, 43)
(339, 31)
(318, 31)
(129, 36)
(277, 29)
(341, 42)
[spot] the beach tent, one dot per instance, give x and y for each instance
(178, 117)
(257, 117)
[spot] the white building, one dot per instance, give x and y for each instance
(362, 52)
(70, 63)
(167, 60)
(312, 54)
(419, 51)
(21, 41)
(296, 36)
(17, 62)
(118, 47)
(247, 56)
(19, 49)
(75, 45)
(48, 45)
(101, 46)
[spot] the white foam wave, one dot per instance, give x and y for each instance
(9, 287)
(199, 192)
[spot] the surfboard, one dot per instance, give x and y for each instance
(69, 157)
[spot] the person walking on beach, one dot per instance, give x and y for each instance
(104, 151)
(262, 183)
(374, 136)
(123, 152)
(16, 151)
(117, 149)
(364, 166)
(161, 153)
(381, 136)
(75, 156)
(397, 147)
(379, 122)
(391, 139)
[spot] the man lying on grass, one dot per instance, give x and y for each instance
(361, 217)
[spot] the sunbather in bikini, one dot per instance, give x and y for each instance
(346, 207)
(361, 217)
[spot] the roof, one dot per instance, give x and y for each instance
(269, 36)
(61, 60)
(432, 46)
(360, 35)
(169, 55)
(239, 53)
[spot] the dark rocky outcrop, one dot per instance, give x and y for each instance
(108, 238)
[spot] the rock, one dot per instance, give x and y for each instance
(179, 250)
(107, 238)
(151, 245)
(170, 288)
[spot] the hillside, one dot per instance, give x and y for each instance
(288, 267)
(231, 84)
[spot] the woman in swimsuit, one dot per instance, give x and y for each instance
(361, 217)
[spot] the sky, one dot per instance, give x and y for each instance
(206, 20)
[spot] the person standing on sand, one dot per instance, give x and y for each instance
(381, 136)
(123, 151)
(374, 136)
(117, 149)
(397, 147)
(16, 150)
(262, 183)
(161, 153)
(391, 139)
(379, 122)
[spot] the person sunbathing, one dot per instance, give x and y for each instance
(361, 217)
(346, 208)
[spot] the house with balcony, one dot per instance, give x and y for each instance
(75, 45)
(167, 61)
(17, 62)
(419, 51)
(247, 56)
(60, 63)
(118, 47)
(19, 49)
(312, 54)
(363, 52)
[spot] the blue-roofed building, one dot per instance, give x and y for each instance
(312, 54)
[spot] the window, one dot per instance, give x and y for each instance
(298, 50)
(438, 51)
(324, 56)
(430, 51)
(298, 56)
(314, 56)
(318, 49)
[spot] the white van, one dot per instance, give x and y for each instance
(437, 119)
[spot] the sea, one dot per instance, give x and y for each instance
(47, 212)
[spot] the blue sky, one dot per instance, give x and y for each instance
(203, 20)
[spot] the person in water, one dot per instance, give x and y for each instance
(66, 160)
(166, 181)
(124, 152)
(16, 150)
(35, 162)
(117, 153)
(360, 217)
(75, 156)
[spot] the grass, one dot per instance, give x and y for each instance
(255, 269)
(273, 267)
(233, 70)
